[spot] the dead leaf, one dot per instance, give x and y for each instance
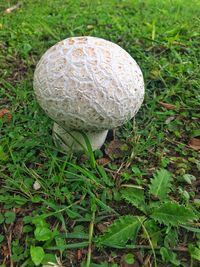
(103, 161)
(90, 27)
(102, 227)
(169, 119)
(84, 157)
(17, 231)
(12, 8)
(167, 106)
(117, 149)
(5, 114)
(36, 185)
(195, 144)
(139, 257)
(5, 251)
(154, 74)
(79, 254)
(147, 261)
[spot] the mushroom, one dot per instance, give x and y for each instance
(87, 84)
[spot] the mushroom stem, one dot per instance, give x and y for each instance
(74, 140)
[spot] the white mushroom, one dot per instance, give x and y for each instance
(87, 84)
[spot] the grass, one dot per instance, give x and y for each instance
(142, 206)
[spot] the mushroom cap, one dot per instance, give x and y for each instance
(88, 83)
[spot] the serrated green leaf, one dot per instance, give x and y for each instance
(121, 230)
(37, 255)
(135, 197)
(173, 214)
(161, 184)
(152, 231)
(171, 238)
(192, 229)
(72, 214)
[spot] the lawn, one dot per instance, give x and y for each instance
(136, 201)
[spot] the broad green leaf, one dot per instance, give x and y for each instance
(42, 233)
(161, 184)
(1, 238)
(135, 197)
(194, 252)
(39, 221)
(49, 258)
(10, 217)
(173, 214)
(121, 230)
(3, 155)
(1, 218)
(129, 258)
(195, 133)
(189, 178)
(197, 202)
(37, 255)
(137, 172)
(169, 256)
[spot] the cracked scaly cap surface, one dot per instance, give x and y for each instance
(88, 83)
